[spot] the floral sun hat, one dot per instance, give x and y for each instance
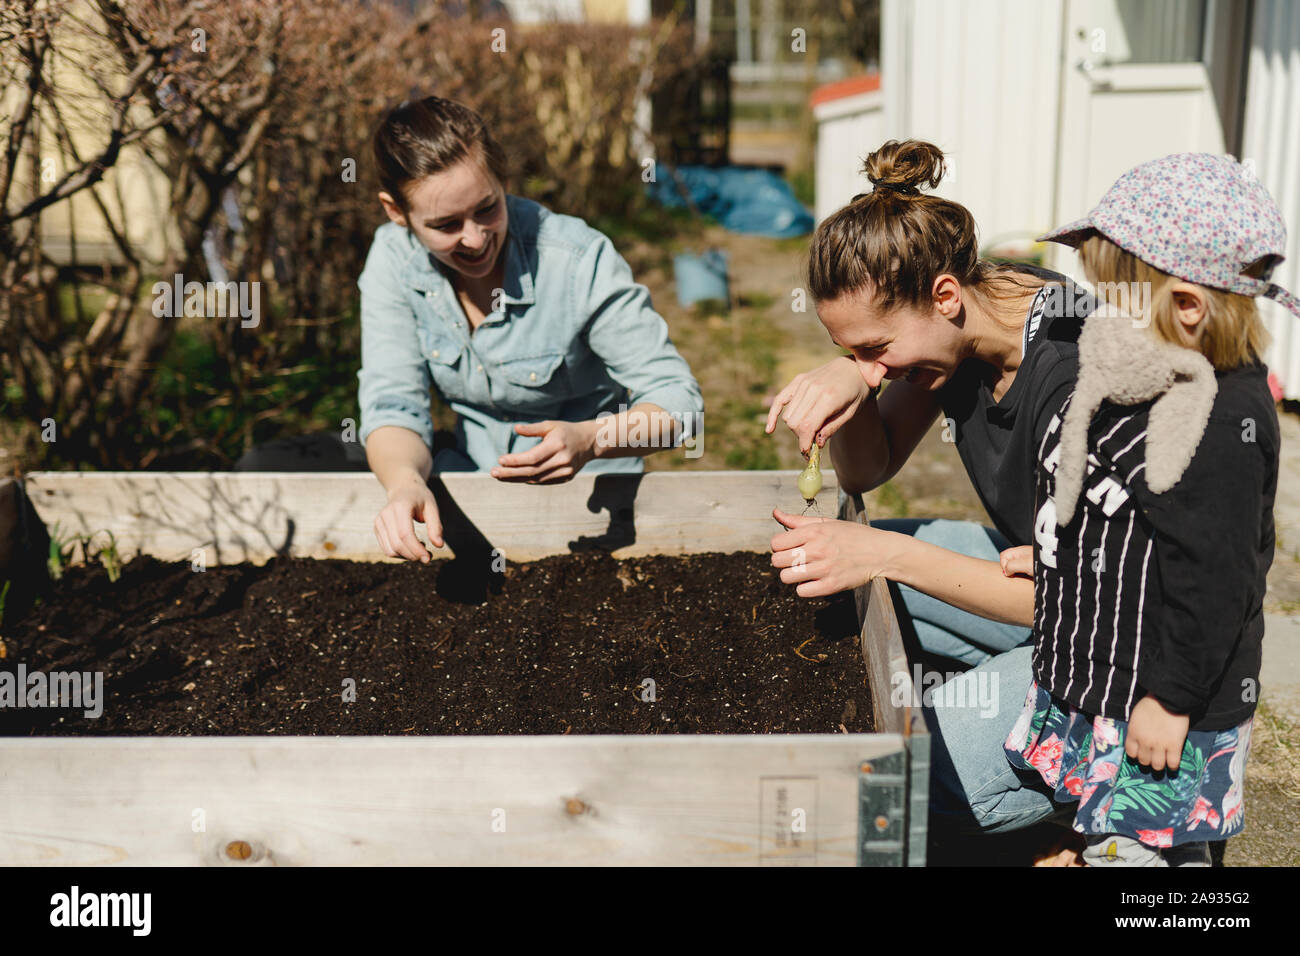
(1201, 217)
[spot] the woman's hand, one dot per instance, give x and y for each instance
(817, 403)
(395, 528)
(825, 556)
(565, 447)
(1155, 737)
(1018, 562)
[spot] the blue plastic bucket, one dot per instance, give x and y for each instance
(701, 277)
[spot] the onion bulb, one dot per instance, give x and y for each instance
(810, 479)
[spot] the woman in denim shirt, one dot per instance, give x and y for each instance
(528, 323)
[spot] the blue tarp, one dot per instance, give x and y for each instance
(743, 199)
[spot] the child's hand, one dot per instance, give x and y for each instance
(1155, 736)
(1018, 561)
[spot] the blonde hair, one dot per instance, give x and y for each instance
(1232, 332)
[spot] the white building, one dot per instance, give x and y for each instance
(1041, 104)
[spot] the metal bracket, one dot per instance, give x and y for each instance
(883, 811)
(894, 806)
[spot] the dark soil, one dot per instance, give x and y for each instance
(562, 645)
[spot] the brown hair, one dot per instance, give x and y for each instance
(1232, 332)
(898, 241)
(421, 137)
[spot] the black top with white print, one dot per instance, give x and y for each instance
(1162, 594)
(996, 438)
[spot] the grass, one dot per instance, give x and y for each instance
(1274, 755)
(803, 184)
(310, 396)
(192, 416)
(889, 499)
(757, 300)
(734, 352)
(659, 232)
(747, 346)
(793, 244)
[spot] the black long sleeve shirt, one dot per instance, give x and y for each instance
(1160, 593)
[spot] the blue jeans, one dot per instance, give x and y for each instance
(972, 785)
(941, 628)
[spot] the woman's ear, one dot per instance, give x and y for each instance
(1189, 305)
(392, 209)
(946, 293)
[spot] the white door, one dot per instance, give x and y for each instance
(1141, 79)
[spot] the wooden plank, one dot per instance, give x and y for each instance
(882, 644)
(885, 655)
(252, 516)
(643, 800)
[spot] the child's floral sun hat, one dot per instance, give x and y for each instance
(1202, 217)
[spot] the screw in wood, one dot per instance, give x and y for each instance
(330, 546)
(866, 767)
(574, 807)
(239, 850)
(882, 824)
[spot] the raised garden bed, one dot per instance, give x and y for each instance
(749, 752)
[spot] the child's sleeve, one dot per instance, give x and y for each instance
(1207, 549)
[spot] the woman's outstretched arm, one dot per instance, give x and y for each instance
(824, 556)
(972, 584)
(567, 446)
(402, 462)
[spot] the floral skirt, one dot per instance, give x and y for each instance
(1082, 758)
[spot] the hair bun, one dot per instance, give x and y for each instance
(903, 167)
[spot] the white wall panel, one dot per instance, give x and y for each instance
(981, 80)
(847, 131)
(1271, 141)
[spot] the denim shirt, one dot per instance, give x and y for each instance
(574, 336)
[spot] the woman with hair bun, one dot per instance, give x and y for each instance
(990, 348)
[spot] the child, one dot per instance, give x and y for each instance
(1154, 533)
